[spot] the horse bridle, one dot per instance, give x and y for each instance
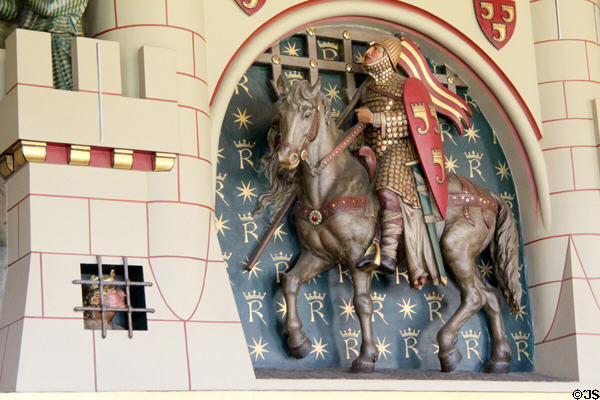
(310, 137)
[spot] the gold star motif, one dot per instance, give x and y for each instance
(347, 309)
(359, 58)
(254, 271)
(521, 313)
(279, 233)
(375, 274)
(221, 225)
(436, 348)
(382, 347)
(318, 348)
(502, 169)
(290, 49)
(471, 133)
(451, 164)
(242, 118)
(258, 349)
(486, 269)
(282, 307)
(332, 93)
(246, 191)
(407, 308)
(220, 155)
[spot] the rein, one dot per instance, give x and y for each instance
(332, 155)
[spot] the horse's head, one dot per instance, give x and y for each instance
(299, 117)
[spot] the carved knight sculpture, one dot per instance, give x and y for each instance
(388, 132)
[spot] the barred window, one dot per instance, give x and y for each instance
(113, 297)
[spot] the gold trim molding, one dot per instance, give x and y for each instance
(122, 159)
(163, 161)
(25, 151)
(79, 155)
(7, 165)
(29, 151)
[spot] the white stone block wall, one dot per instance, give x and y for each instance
(564, 283)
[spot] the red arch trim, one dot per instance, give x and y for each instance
(442, 24)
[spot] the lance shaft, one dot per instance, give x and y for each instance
(265, 240)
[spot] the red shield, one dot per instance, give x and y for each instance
(425, 130)
(251, 6)
(497, 19)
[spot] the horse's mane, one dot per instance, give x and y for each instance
(283, 182)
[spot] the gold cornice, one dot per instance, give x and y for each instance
(7, 165)
(163, 161)
(79, 155)
(122, 159)
(29, 151)
(32, 151)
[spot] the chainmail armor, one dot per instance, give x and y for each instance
(390, 142)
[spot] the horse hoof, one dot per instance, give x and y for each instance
(360, 365)
(450, 360)
(496, 367)
(301, 351)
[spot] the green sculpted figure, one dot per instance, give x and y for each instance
(62, 18)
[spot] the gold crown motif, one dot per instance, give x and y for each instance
(227, 256)
(243, 144)
(349, 333)
(281, 257)
(246, 217)
(507, 196)
(520, 336)
(255, 296)
(221, 177)
(315, 296)
(410, 333)
(293, 75)
(433, 296)
(328, 45)
(378, 296)
(471, 334)
(335, 113)
(474, 155)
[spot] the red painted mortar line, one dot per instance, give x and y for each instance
(193, 76)
(194, 108)
(117, 28)
(559, 291)
(567, 119)
(585, 274)
(559, 236)
(42, 284)
(187, 355)
(566, 336)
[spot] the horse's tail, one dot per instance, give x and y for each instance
(505, 254)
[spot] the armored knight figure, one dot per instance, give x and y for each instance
(389, 136)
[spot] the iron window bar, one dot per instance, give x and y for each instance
(101, 282)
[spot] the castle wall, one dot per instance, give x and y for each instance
(564, 284)
(167, 77)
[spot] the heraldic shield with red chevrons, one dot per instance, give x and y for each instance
(425, 130)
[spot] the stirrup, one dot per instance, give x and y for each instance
(372, 257)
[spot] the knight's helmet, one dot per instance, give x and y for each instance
(392, 46)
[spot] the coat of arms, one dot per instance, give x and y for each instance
(251, 6)
(497, 19)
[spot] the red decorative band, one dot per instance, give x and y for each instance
(318, 216)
